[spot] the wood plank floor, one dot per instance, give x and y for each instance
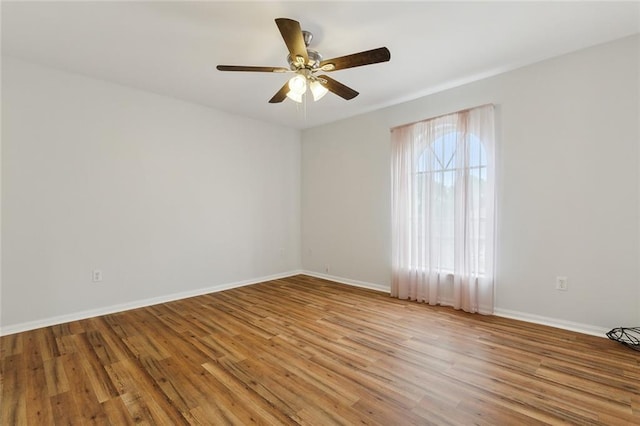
(307, 351)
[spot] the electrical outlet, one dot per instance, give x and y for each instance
(326, 268)
(96, 276)
(562, 283)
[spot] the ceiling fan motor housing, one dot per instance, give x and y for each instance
(314, 61)
(314, 57)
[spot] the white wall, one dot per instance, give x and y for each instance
(568, 138)
(165, 197)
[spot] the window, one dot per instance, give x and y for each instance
(438, 170)
(443, 204)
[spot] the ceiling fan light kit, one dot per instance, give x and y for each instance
(317, 90)
(297, 87)
(305, 63)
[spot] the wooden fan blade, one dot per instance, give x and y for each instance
(338, 88)
(292, 35)
(368, 57)
(281, 95)
(251, 69)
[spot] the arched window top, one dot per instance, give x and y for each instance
(451, 151)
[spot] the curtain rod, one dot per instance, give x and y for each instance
(439, 116)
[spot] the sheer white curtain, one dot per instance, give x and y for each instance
(443, 196)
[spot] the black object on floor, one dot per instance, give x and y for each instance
(628, 336)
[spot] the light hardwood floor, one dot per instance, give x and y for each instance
(307, 351)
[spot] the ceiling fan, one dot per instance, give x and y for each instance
(306, 63)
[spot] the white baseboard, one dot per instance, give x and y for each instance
(348, 281)
(505, 313)
(46, 322)
(522, 316)
(552, 322)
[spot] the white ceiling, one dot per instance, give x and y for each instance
(172, 48)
